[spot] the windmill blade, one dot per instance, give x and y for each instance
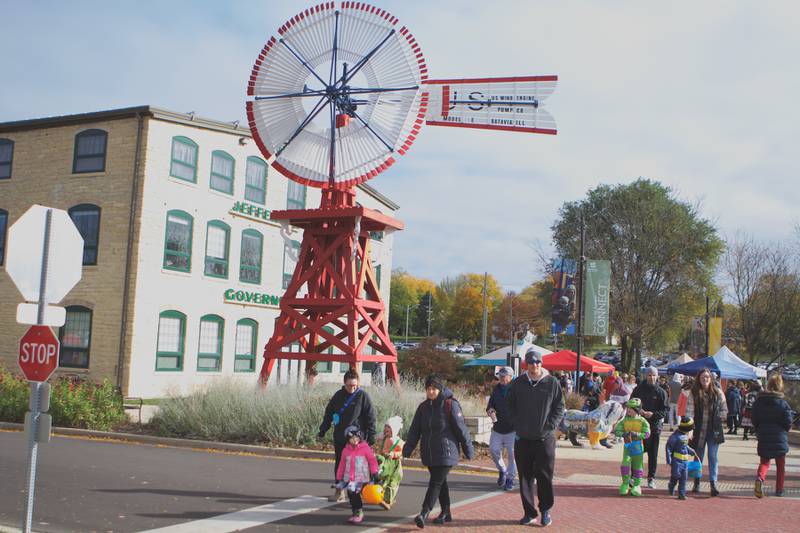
(384, 65)
(506, 104)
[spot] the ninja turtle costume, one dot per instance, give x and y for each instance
(634, 430)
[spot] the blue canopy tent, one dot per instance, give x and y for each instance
(724, 363)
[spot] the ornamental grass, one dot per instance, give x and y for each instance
(229, 410)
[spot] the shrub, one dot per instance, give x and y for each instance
(284, 415)
(14, 394)
(428, 359)
(73, 403)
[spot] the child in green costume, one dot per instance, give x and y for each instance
(634, 429)
(390, 459)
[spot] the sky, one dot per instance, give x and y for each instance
(701, 96)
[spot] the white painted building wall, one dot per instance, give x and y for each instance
(194, 294)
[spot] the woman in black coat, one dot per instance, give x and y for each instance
(440, 429)
(772, 419)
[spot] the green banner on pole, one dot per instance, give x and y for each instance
(598, 280)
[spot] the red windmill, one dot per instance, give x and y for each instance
(341, 91)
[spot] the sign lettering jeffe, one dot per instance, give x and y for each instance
(250, 211)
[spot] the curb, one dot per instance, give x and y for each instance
(263, 451)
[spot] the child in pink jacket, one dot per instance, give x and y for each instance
(357, 467)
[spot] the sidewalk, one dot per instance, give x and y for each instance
(600, 508)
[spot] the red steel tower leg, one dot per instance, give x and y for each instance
(332, 309)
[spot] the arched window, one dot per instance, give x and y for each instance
(291, 251)
(218, 236)
(6, 158)
(255, 187)
(171, 335)
(246, 338)
(296, 196)
(178, 241)
(3, 228)
(87, 219)
(184, 159)
(222, 167)
(75, 337)
(90, 152)
(209, 348)
(250, 260)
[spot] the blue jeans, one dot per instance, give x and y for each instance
(497, 442)
(713, 448)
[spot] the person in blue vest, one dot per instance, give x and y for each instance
(349, 406)
(503, 435)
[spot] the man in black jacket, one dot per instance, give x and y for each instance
(655, 407)
(536, 406)
(349, 406)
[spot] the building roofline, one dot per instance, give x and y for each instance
(158, 113)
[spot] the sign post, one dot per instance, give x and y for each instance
(41, 237)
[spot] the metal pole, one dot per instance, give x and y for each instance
(430, 311)
(33, 447)
(579, 325)
(485, 315)
(407, 308)
(511, 320)
(707, 319)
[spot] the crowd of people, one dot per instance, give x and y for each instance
(527, 413)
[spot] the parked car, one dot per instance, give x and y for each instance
(452, 347)
(465, 348)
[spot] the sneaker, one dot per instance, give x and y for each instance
(501, 479)
(681, 496)
(759, 488)
(526, 520)
(651, 483)
(385, 505)
(509, 485)
(358, 517)
(671, 488)
(546, 519)
(779, 493)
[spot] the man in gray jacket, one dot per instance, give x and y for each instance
(536, 406)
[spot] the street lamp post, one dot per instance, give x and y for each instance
(579, 325)
(408, 308)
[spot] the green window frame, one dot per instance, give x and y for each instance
(170, 341)
(325, 367)
(217, 252)
(222, 171)
(183, 162)
(209, 345)
(287, 276)
(6, 158)
(252, 251)
(178, 233)
(255, 180)
(90, 152)
(296, 195)
(246, 339)
(86, 218)
(377, 270)
(3, 231)
(376, 235)
(75, 337)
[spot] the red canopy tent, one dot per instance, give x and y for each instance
(566, 359)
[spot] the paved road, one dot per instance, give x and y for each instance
(91, 485)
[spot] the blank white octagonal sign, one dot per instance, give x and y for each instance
(26, 247)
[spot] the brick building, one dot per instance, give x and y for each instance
(183, 269)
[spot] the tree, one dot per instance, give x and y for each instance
(765, 285)
(427, 359)
(522, 311)
(405, 292)
(663, 256)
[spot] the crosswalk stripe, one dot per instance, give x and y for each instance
(252, 517)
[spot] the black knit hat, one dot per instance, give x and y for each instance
(435, 381)
(686, 425)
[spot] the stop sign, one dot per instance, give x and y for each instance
(38, 353)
